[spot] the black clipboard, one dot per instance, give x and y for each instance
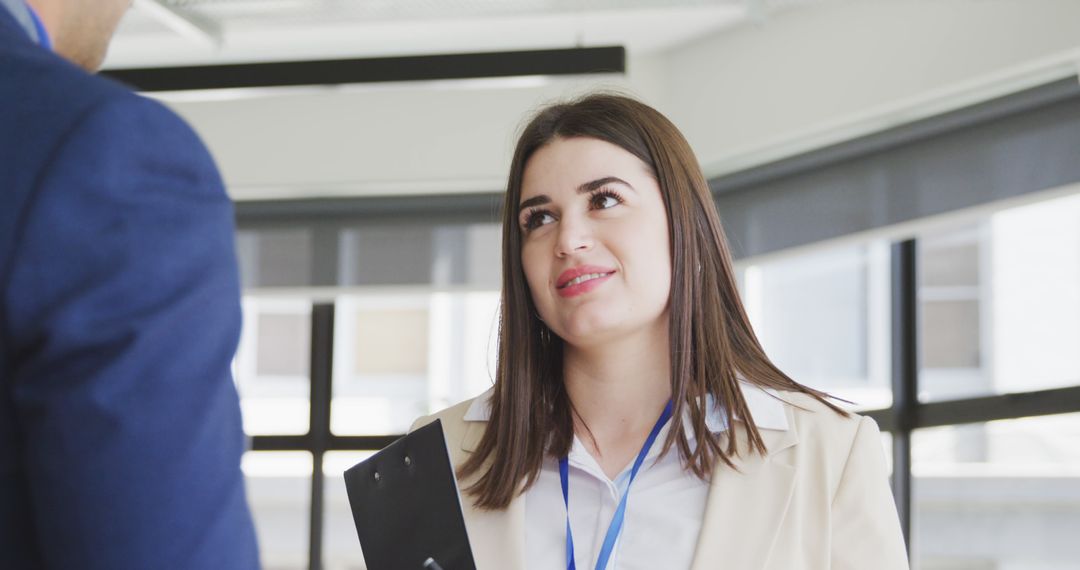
(406, 505)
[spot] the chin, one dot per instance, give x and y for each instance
(585, 332)
(594, 329)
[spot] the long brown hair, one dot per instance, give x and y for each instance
(711, 340)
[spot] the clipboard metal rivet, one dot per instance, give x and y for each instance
(408, 461)
(377, 477)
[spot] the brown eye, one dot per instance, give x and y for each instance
(604, 199)
(538, 218)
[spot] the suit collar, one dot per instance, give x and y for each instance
(20, 14)
(753, 496)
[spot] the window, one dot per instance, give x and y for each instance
(279, 492)
(272, 365)
(1000, 303)
(823, 317)
(1000, 494)
(415, 319)
(997, 300)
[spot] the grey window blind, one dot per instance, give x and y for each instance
(1016, 145)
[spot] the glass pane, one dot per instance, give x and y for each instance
(823, 317)
(951, 260)
(279, 492)
(275, 258)
(1000, 303)
(485, 256)
(886, 444)
(341, 547)
(1000, 495)
(401, 356)
(273, 366)
(390, 342)
(950, 333)
(387, 255)
(283, 344)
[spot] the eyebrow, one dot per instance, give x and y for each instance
(583, 189)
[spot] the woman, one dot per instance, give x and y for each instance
(635, 421)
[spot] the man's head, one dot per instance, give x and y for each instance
(81, 29)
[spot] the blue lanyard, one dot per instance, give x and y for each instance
(620, 513)
(43, 35)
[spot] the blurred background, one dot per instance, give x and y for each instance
(899, 179)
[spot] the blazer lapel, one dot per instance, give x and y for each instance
(745, 508)
(743, 514)
(497, 538)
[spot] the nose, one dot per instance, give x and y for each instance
(575, 236)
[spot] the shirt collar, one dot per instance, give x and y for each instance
(765, 407)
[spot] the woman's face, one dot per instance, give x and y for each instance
(595, 245)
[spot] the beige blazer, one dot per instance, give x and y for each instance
(818, 500)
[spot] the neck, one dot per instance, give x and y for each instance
(618, 389)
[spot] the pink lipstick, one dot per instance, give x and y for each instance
(582, 279)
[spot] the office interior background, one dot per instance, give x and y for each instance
(899, 179)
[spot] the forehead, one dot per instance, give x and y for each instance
(565, 163)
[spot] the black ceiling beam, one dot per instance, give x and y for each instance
(575, 61)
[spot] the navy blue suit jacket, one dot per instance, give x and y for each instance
(120, 432)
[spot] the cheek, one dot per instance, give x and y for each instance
(659, 275)
(651, 251)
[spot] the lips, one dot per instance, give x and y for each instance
(582, 279)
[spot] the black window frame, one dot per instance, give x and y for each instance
(906, 414)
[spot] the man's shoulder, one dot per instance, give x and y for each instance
(81, 121)
(106, 105)
(48, 106)
(37, 79)
(44, 96)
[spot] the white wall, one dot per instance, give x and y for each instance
(814, 75)
(797, 80)
(391, 139)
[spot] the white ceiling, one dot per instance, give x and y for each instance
(193, 32)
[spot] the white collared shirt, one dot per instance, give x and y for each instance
(663, 512)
